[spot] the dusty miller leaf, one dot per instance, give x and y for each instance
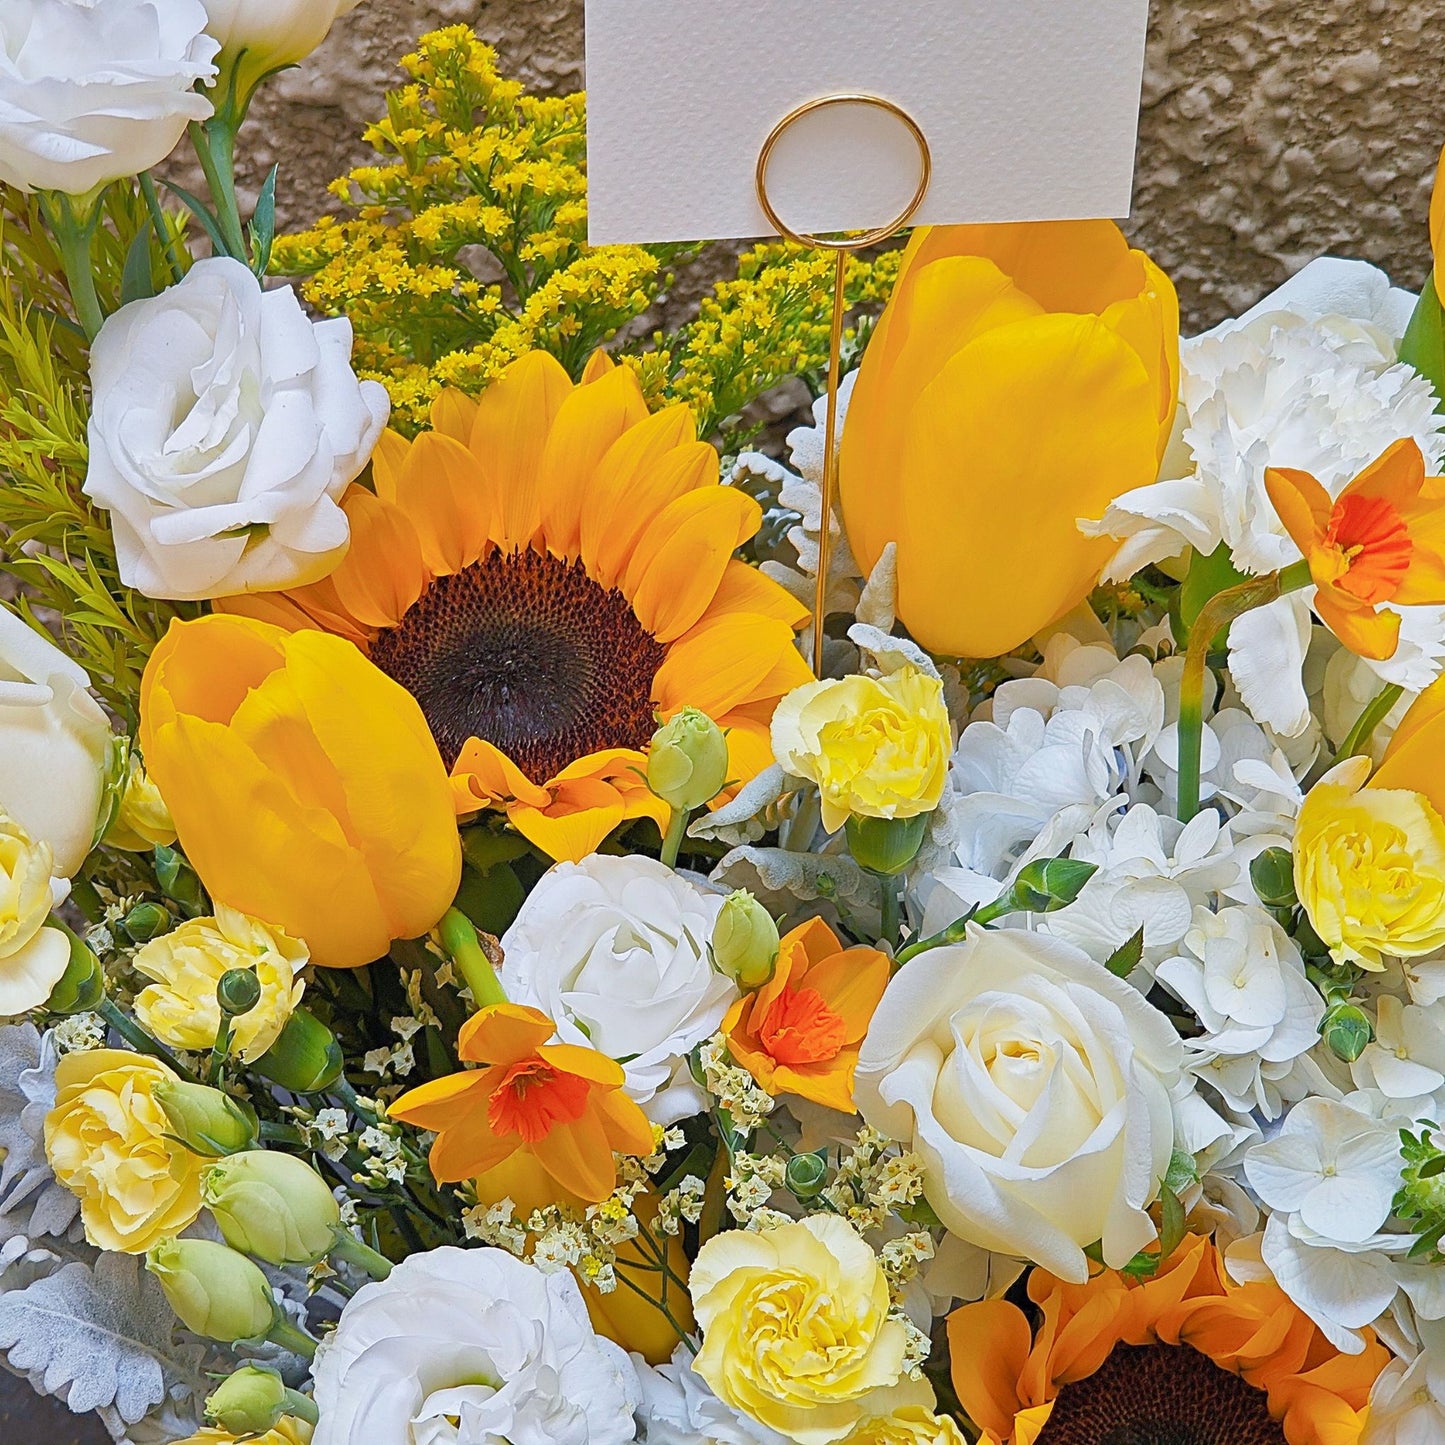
(30, 1199)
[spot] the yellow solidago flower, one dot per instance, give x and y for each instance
(796, 1329)
(876, 747)
(1370, 868)
(143, 821)
(109, 1142)
(181, 1009)
(33, 958)
(549, 571)
(288, 1430)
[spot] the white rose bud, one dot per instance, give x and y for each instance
(225, 426)
(53, 744)
(272, 1206)
(93, 91)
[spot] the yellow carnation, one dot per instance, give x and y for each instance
(876, 747)
(181, 1009)
(143, 821)
(796, 1332)
(1369, 867)
(911, 1425)
(33, 958)
(288, 1430)
(106, 1139)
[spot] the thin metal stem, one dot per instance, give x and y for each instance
(830, 456)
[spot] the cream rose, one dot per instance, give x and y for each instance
(93, 91)
(1037, 1089)
(33, 958)
(53, 744)
(224, 429)
(615, 950)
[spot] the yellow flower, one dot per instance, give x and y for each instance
(1021, 378)
(911, 1425)
(1370, 867)
(305, 786)
(1412, 759)
(181, 1009)
(33, 958)
(796, 1332)
(106, 1139)
(143, 821)
(1437, 225)
(876, 747)
(288, 1430)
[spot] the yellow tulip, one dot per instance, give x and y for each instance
(1021, 378)
(1437, 224)
(1412, 759)
(304, 783)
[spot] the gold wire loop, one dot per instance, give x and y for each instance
(840, 247)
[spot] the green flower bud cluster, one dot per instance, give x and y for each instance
(1420, 1199)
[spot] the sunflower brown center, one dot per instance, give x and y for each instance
(529, 653)
(1160, 1395)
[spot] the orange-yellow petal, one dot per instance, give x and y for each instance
(448, 500)
(383, 573)
(503, 1033)
(988, 1344)
(1302, 504)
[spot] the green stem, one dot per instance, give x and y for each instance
(956, 932)
(676, 832)
(219, 1050)
(1217, 615)
(215, 145)
(73, 236)
(285, 1334)
(463, 947)
(138, 1039)
(363, 1256)
(1376, 711)
(158, 225)
(888, 907)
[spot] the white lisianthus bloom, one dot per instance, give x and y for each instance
(678, 1408)
(93, 90)
(272, 33)
(1038, 1090)
(615, 950)
(53, 743)
(1244, 979)
(225, 427)
(468, 1347)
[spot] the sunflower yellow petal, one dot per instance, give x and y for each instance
(448, 500)
(383, 573)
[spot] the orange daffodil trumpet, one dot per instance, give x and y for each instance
(304, 785)
(1381, 541)
(538, 1123)
(1190, 1354)
(1022, 377)
(549, 571)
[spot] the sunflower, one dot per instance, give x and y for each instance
(549, 571)
(1188, 1357)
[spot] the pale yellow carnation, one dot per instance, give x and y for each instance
(143, 821)
(33, 958)
(288, 1430)
(796, 1332)
(876, 747)
(910, 1425)
(1369, 867)
(181, 1009)
(106, 1139)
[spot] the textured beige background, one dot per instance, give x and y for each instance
(1272, 131)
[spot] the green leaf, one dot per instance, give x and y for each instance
(1182, 1171)
(135, 281)
(1125, 959)
(1207, 576)
(263, 225)
(203, 213)
(1424, 343)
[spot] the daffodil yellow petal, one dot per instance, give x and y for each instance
(1301, 503)
(503, 1034)
(1367, 633)
(439, 1102)
(578, 1156)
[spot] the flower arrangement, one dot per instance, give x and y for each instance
(467, 980)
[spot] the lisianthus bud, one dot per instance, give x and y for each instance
(305, 1059)
(745, 941)
(214, 1291)
(272, 1206)
(206, 1119)
(1346, 1030)
(1048, 884)
(254, 1400)
(687, 764)
(885, 845)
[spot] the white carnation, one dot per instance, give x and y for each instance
(678, 1408)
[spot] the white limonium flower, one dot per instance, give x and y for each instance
(93, 90)
(53, 744)
(615, 950)
(468, 1347)
(225, 427)
(1243, 977)
(678, 1408)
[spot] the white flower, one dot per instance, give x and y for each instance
(225, 427)
(678, 1408)
(1243, 977)
(1407, 1403)
(1037, 1090)
(93, 90)
(615, 951)
(469, 1347)
(33, 958)
(272, 33)
(53, 743)
(1406, 1060)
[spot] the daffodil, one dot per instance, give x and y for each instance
(548, 571)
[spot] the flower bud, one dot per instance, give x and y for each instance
(306, 1057)
(206, 1119)
(1048, 884)
(178, 881)
(272, 1206)
(254, 1400)
(687, 763)
(805, 1176)
(82, 986)
(745, 941)
(214, 1291)
(142, 821)
(1272, 873)
(146, 921)
(239, 991)
(886, 845)
(1346, 1030)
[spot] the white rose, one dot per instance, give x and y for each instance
(468, 1347)
(53, 742)
(270, 34)
(93, 90)
(615, 951)
(224, 428)
(1035, 1087)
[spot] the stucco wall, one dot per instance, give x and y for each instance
(1272, 130)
